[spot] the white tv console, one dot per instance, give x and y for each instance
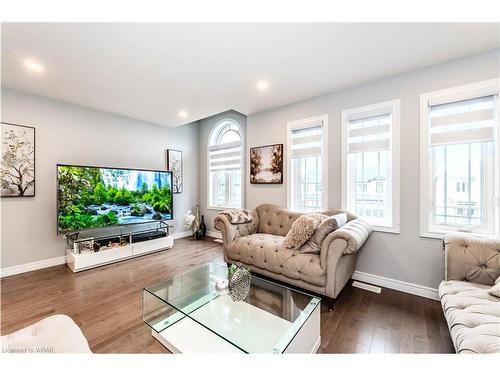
(89, 259)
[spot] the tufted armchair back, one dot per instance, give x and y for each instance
(278, 221)
(473, 259)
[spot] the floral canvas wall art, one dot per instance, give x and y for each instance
(18, 161)
(174, 164)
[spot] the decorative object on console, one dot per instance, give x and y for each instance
(197, 230)
(239, 282)
(221, 285)
(203, 226)
(266, 164)
(189, 220)
(231, 270)
(83, 246)
(174, 164)
(18, 160)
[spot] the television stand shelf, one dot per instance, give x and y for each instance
(94, 252)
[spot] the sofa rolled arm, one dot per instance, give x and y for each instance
(346, 240)
(231, 232)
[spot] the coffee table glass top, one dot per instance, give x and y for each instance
(265, 322)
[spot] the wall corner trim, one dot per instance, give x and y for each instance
(402, 286)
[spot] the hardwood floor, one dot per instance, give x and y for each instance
(106, 303)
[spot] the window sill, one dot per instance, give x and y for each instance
(440, 235)
(385, 229)
(223, 208)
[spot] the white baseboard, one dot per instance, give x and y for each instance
(402, 286)
(183, 234)
(22, 268)
(385, 282)
(214, 234)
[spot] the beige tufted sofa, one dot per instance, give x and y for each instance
(258, 245)
(473, 315)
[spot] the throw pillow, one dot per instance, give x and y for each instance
(313, 245)
(301, 230)
(495, 289)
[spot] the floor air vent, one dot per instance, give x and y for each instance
(371, 288)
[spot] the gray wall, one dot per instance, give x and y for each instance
(205, 127)
(406, 256)
(74, 135)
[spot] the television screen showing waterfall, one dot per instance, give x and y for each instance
(92, 197)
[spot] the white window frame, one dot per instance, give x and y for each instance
(393, 107)
(449, 95)
(304, 124)
(210, 147)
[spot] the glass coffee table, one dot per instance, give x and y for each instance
(187, 314)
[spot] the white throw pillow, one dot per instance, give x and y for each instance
(495, 289)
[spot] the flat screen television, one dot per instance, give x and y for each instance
(94, 197)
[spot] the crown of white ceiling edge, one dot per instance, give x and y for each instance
(182, 73)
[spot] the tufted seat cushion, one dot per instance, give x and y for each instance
(266, 251)
(473, 316)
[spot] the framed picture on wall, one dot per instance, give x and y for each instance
(18, 160)
(174, 164)
(266, 164)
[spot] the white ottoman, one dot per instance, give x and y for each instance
(55, 334)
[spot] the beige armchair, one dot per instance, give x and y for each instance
(258, 245)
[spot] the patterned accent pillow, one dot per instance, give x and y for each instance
(301, 230)
(313, 245)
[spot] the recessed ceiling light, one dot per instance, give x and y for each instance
(183, 113)
(262, 85)
(33, 66)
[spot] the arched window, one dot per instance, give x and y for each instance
(224, 165)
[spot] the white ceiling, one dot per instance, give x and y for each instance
(152, 71)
